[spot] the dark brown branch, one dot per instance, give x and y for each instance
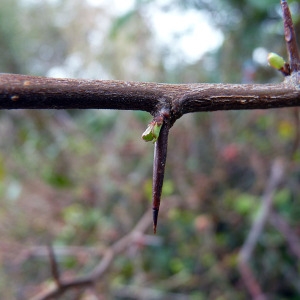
(21, 91)
(290, 38)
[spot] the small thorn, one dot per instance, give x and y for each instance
(155, 217)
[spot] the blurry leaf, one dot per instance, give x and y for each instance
(148, 189)
(221, 239)
(286, 130)
(173, 214)
(127, 269)
(82, 217)
(208, 259)
(231, 260)
(168, 188)
(66, 235)
(57, 180)
(283, 203)
(282, 196)
(69, 262)
(176, 265)
(2, 168)
(73, 214)
(296, 156)
(245, 204)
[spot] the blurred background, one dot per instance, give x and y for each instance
(81, 179)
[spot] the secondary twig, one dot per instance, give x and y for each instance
(290, 38)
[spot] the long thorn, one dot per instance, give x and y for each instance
(290, 38)
(160, 156)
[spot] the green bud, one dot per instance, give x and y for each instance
(276, 61)
(147, 136)
(156, 131)
(152, 132)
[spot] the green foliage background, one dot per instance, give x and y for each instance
(82, 179)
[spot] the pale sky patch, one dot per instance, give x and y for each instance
(189, 32)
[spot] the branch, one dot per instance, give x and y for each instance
(22, 91)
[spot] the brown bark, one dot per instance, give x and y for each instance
(21, 91)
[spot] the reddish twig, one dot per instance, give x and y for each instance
(277, 173)
(287, 232)
(290, 38)
(251, 282)
(267, 199)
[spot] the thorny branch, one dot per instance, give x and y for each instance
(20, 91)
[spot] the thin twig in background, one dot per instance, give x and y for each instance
(277, 173)
(287, 232)
(136, 235)
(54, 266)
